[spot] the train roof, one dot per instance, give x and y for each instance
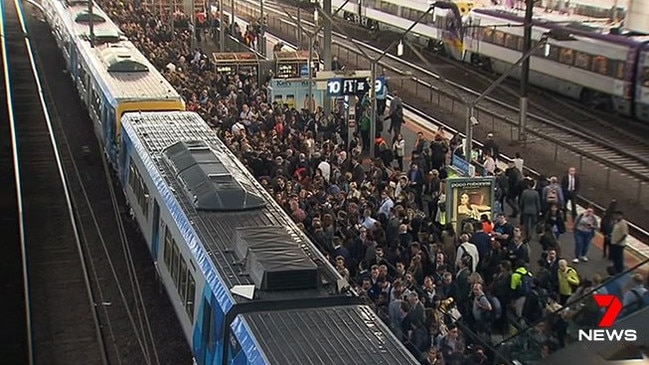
(423, 5)
(336, 335)
(595, 28)
(233, 226)
(78, 17)
(125, 74)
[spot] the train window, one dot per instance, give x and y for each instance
(582, 60)
(566, 56)
(511, 41)
(499, 38)
(600, 65)
(429, 19)
(440, 22)
(370, 4)
(169, 241)
(645, 77)
(619, 70)
(175, 256)
(96, 103)
(191, 292)
(488, 35)
(414, 14)
(131, 175)
(143, 196)
(182, 284)
(554, 53)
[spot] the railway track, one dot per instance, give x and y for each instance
(14, 323)
(138, 322)
(590, 134)
(64, 326)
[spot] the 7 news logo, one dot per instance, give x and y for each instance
(604, 332)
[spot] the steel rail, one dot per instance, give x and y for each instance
(66, 189)
(638, 232)
(597, 142)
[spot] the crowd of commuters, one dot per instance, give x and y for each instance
(438, 289)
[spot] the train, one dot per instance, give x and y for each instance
(246, 284)
(109, 72)
(603, 66)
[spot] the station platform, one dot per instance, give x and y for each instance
(635, 253)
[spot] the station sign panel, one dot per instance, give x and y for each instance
(338, 87)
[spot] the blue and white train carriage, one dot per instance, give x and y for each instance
(246, 284)
(70, 20)
(111, 75)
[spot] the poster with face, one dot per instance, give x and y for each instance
(468, 199)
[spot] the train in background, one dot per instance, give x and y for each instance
(440, 30)
(247, 285)
(603, 67)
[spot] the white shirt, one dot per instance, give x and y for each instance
(386, 205)
(369, 223)
(518, 162)
(571, 183)
(237, 127)
(490, 165)
(325, 168)
(469, 248)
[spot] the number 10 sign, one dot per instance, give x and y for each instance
(352, 86)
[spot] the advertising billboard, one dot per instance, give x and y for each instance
(294, 92)
(469, 198)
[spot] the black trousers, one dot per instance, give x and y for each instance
(570, 195)
(616, 253)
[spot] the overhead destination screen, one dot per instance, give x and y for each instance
(236, 63)
(295, 64)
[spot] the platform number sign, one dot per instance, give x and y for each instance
(354, 86)
(379, 87)
(347, 86)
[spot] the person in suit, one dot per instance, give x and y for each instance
(570, 184)
(416, 178)
(530, 208)
(396, 115)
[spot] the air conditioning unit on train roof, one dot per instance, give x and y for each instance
(76, 2)
(83, 17)
(120, 59)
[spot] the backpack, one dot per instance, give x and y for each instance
(639, 301)
(496, 307)
(525, 287)
(574, 287)
(552, 195)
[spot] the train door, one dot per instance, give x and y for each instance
(73, 62)
(155, 234)
(642, 84)
(123, 163)
(110, 141)
(203, 339)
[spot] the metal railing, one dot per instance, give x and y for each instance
(563, 152)
(415, 86)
